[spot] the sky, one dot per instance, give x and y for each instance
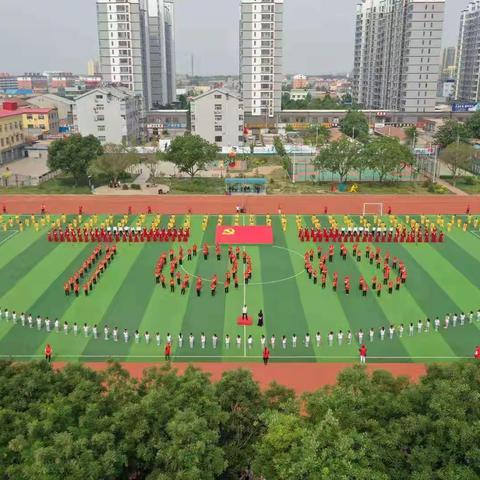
(40, 35)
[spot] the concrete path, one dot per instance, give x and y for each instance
(451, 188)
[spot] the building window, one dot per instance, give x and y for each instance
(100, 118)
(218, 128)
(102, 138)
(101, 128)
(218, 139)
(218, 97)
(218, 106)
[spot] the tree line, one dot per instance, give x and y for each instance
(78, 424)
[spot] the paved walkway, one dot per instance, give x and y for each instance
(451, 188)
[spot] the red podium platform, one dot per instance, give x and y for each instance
(244, 322)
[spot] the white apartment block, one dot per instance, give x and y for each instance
(137, 47)
(261, 35)
(217, 116)
(468, 54)
(112, 114)
(397, 54)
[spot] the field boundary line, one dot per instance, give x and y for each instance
(473, 232)
(325, 357)
(14, 232)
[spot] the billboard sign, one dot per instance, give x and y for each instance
(465, 107)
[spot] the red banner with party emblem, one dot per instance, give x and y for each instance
(251, 235)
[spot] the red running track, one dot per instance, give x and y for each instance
(304, 377)
(215, 204)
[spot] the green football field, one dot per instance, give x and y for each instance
(442, 278)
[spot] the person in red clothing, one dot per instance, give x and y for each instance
(266, 355)
(476, 355)
(198, 286)
(168, 352)
(363, 354)
(48, 353)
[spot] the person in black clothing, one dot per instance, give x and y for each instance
(260, 319)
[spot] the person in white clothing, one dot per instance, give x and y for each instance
(470, 317)
(39, 322)
(427, 325)
(272, 342)
(307, 340)
(147, 337)
(47, 325)
(340, 337)
(360, 336)
(447, 320)
(284, 342)
(105, 332)
(382, 333)
(371, 333)
(244, 312)
(349, 337)
(85, 329)
(125, 335)
(169, 338)
(437, 323)
(419, 326)
(65, 327)
(57, 325)
(191, 340)
(203, 340)
(137, 336)
(6, 314)
(238, 341)
(214, 340)
(180, 340)
(462, 318)
(250, 342)
(294, 340)
(22, 319)
(410, 329)
(30, 320)
(391, 331)
(14, 317)
(400, 330)
(95, 332)
(454, 319)
(227, 341)
(75, 328)
(330, 338)
(115, 334)
(318, 339)
(478, 315)
(263, 340)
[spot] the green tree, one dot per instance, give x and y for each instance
(116, 159)
(411, 133)
(362, 162)
(388, 156)
(355, 125)
(191, 153)
(457, 156)
(451, 131)
(338, 157)
(473, 125)
(73, 155)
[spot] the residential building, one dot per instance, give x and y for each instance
(112, 114)
(93, 67)
(397, 54)
(261, 35)
(38, 120)
(11, 133)
(35, 82)
(217, 116)
(64, 106)
(134, 49)
(468, 54)
(171, 123)
(449, 62)
(299, 82)
(298, 94)
(8, 82)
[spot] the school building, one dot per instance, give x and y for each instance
(11, 134)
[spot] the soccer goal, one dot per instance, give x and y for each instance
(373, 209)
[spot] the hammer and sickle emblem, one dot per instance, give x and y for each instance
(228, 231)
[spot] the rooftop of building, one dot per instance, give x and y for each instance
(117, 91)
(223, 91)
(10, 109)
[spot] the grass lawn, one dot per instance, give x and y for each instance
(58, 185)
(466, 184)
(442, 278)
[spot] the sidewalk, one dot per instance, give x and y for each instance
(451, 188)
